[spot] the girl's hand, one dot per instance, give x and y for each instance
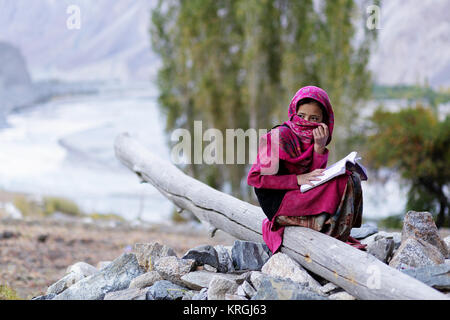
(320, 135)
(310, 176)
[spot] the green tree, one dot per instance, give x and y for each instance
(415, 143)
(237, 63)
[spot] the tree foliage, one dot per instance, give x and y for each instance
(237, 63)
(415, 143)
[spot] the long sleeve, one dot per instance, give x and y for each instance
(280, 182)
(319, 160)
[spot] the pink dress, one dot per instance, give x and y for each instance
(324, 198)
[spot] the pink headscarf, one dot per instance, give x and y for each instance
(302, 128)
(295, 143)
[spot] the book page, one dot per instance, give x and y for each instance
(332, 171)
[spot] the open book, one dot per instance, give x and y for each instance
(347, 163)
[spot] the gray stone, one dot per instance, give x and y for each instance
(229, 296)
(256, 278)
(246, 290)
(329, 288)
(82, 268)
(248, 255)
(420, 225)
(447, 261)
(447, 242)
(396, 236)
(209, 268)
(201, 295)
(145, 280)
(224, 257)
(277, 288)
(74, 273)
(205, 254)
(381, 249)
(172, 268)
(45, 297)
(341, 296)
(117, 276)
(364, 231)
(199, 279)
(166, 290)
(219, 286)
(282, 265)
(64, 283)
(127, 294)
(437, 277)
(102, 264)
(148, 254)
(415, 253)
(189, 295)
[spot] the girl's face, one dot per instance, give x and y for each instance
(310, 112)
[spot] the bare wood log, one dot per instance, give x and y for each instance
(357, 272)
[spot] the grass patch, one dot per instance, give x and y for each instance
(176, 217)
(105, 216)
(27, 207)
(57, 204)
(7, 293)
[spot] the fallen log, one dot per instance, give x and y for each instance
(357, 272)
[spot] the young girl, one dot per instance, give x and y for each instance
(334, 207)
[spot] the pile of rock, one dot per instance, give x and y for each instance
(248, 270)
(417, 251)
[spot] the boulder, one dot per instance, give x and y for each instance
(364, 231)
(172, 268)
(205, 254)
(246, 290)
(127, 294)
(116, 276)
(219, 286)
(437, 277)
(396, 236)
(145, 280)
(277, 288)
(166, 290)
(282, 265)
(102, 264)
(148, 253)
(249, 255)
(329, 288)
(64, 283)
(201, 295)
(415, 253)
(82, 268)
(420, 225)
(224, 257)
(209, 268)
(341, 296)
(45, 297)
(229, 296)
(199, 279)
(74, 273)
(447, 242)
(382, 249)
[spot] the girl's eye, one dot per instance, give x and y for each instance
(301, 115)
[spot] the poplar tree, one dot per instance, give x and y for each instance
(237, 63)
